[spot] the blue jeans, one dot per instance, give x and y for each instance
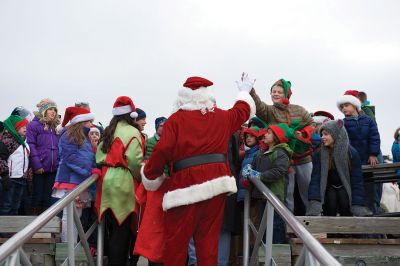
(42, 188)
(224, 248)
(11, 199)
(192, 253)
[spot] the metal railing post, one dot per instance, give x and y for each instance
(269, 234)
(70, 233)
(100, 243)
(246, 217)
(24, 257)
(82, 237)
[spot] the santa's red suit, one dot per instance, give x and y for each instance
(197, 189)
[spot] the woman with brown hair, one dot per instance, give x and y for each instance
(77, 161)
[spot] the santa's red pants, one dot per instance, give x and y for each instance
(201, 220)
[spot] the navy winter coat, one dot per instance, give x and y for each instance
(356, 179)
(364, 136)
(249, 156)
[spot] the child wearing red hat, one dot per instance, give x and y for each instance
(14, 164)
(120, 154)
(272, 168)
(77, 160)
(364, 137)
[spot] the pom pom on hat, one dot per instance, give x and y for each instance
(124, 105)
(350, 96)
(196, 82)
(76, 115)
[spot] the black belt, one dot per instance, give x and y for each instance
(199, 160)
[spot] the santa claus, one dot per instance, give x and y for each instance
(194, 145)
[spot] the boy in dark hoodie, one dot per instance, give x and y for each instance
(14, 164)
(272, 168)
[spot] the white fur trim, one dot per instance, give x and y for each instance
(190, 100)
(245, 97)
(319, 119)
(151, 185)
(82, 117)
(122, 110)
(200, 192)
(349, 99)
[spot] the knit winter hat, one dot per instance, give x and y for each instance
(254, 131)
(256, 121)
(337, 130)
(141, 114)
(282, 131)
(320, 117)
(159, 121)
(350, 96)
(12, 124)
(45, 105)
(287, 89)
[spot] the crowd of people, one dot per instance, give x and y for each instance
(176, 198)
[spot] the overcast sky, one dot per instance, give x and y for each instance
(97, 50)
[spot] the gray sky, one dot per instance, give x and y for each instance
(97, 50)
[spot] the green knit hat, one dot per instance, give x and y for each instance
(12, 124)
(287, 89)
(283, 132)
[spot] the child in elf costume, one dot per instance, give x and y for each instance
(272, 167)
(120, 156)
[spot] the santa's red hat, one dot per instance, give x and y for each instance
(124, 105)
(196, 82)
(320, 117)
(350, 96)
(75, 115)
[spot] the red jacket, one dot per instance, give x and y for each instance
(191, 133)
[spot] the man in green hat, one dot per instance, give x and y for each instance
(282, 111)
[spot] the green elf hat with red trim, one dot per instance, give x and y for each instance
(287, 89)
(283, 132)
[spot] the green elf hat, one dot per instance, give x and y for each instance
(283, 132)
(12, 124)
(254, 131)
(287, 88)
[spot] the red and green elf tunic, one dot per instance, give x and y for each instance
(119, 167)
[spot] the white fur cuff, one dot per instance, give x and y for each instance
(200, 192)
(151, 185)
(245, 97)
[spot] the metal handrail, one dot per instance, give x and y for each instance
(11, 245)
(314, 247)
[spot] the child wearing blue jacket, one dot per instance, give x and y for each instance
(77, 160)
(364, 137)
